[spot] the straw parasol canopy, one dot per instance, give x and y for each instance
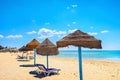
(79, 38)
(23, 48)
(33, 44)
(47, 48)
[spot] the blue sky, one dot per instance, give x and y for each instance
(23, 20)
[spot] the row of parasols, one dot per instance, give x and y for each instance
(77, 38)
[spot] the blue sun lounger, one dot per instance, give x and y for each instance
(47, 72)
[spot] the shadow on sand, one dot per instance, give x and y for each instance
(23, 60)
(42, 75)
(27, 65)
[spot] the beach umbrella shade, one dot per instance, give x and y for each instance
(80, 39)
(32, 45)
(47, 48)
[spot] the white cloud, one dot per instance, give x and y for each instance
(74, 22)
(71, 6)
(61, 36)
(14, 36)
(60, 32)
(92, 33)
(104, 31)
(74, 5)
(45, 33)
(68, 25)
(32, 32)
(43, 36)
(1, 36)
(71, 31)
(47, 23)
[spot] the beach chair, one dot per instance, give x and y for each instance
(31, 57)
(47, 72)
(21, 57)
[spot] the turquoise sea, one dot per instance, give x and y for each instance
(112, 55)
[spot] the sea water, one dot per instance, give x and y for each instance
(112, 55)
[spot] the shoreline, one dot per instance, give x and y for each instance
(108, 60)
(92, 55)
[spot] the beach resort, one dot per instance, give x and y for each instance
(36, 61)
(59, 40)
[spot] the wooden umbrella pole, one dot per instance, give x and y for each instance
(80, 63)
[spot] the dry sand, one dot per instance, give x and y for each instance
(14, 69)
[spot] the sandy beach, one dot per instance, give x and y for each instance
(14, 69)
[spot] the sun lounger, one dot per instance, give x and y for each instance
(47, 72)
(31, 57)
(21, 57)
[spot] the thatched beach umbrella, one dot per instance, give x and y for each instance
(47, 48)
(23, 48)
(32, 45)
(80, 39)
